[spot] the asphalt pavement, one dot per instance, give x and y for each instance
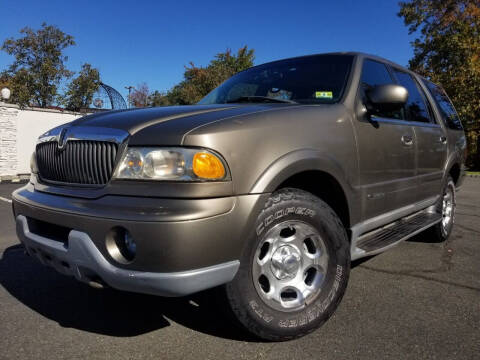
(420, 300)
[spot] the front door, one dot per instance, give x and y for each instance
(386, 150)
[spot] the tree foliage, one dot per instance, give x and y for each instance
(447, 51)
(81, 89)
(139, 96)
(5, 82)
(158, 98)
(39, 64)
(199, 81)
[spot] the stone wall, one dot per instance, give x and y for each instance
(8, 140)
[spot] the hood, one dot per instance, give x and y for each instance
(163, 125)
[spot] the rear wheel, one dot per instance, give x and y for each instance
(294, 271)
(446, 206)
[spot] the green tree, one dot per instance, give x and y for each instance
(20, 86)
(81, 89)
(39, 64)
(447, 51)
(5, 82)
(139, 96)
(158, 98)
(199, 81)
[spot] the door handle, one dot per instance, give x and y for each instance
(443, 139)
(407, 140)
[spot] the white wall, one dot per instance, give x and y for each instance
(19, 130)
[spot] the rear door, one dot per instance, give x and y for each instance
(386, 150)
(431, 139)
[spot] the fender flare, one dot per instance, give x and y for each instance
(299, 161)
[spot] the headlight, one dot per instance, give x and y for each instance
(178, 164)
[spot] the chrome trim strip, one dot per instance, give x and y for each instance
(73, 133)
(403, 122)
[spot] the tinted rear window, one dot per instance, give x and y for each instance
(448, 112)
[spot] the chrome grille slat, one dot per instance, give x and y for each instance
(87, 162)
(76, 170)
(108, 160)
(104, 161)
(88, 155)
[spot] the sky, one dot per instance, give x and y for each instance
(132, 42)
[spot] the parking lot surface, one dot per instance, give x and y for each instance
(418, 300)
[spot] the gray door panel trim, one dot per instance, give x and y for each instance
(436, 173)
(382, 183)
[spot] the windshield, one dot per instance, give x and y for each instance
(317, 79)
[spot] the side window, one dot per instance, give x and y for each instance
(416, 108)
(375, 73)
(449, 115)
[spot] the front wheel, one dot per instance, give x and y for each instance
(295, 269)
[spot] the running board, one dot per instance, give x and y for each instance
(397, 231)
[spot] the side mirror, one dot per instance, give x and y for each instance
(388, 97)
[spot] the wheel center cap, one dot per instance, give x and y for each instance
(285, 262)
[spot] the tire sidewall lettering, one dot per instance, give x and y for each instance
(282, 213)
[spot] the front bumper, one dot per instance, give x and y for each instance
(183, 245)
(83, 260)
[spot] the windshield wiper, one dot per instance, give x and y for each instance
(255, 99)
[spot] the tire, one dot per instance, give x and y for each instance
(440, 232)
(294, 270)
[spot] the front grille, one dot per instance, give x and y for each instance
(79, 162)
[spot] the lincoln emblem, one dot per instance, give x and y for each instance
(62, 140)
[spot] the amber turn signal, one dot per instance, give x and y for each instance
(208, 166)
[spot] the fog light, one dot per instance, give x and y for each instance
(130, 245)
(120, 245)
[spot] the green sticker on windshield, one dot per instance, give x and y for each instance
(324, 94)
